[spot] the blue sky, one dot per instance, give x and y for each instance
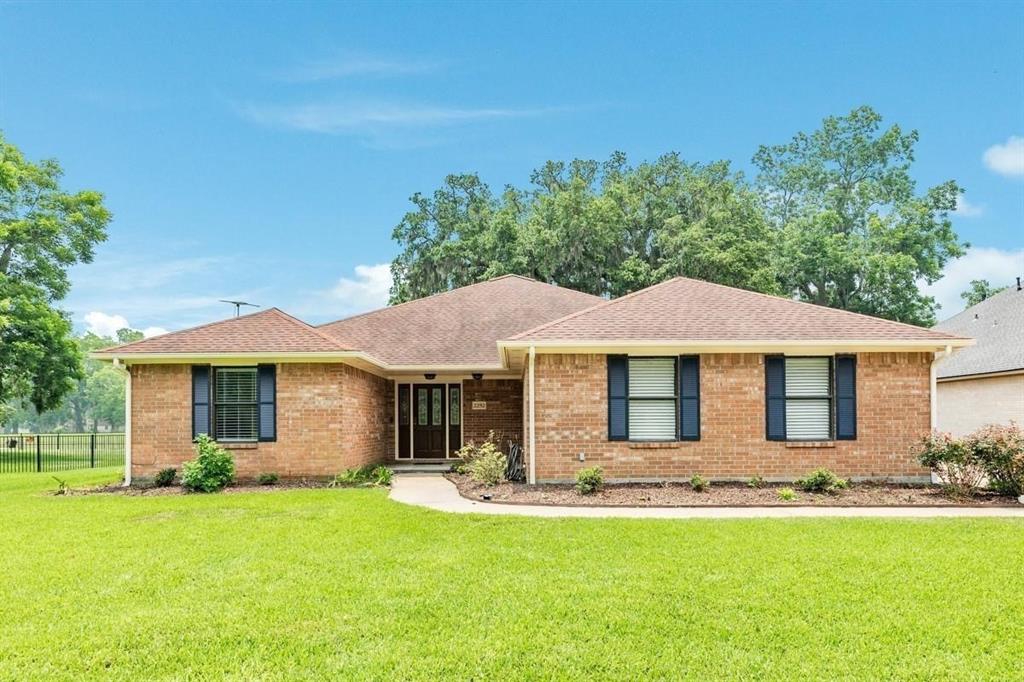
(266, 151)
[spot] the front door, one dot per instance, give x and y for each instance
(428, 421)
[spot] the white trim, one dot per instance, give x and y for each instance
(394, 385)
(981, 375)
(436, 381)
(824, 346)
(127, 422)
(933, 385)
(533, 415)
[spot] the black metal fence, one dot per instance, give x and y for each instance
(23, 452)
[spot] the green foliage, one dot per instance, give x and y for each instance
(62, 486)
(488, 467)
(852, 232)
(471, 451)
(699, 483)
(44, 230)
(589, 480)
(822, 481)
(788, 495)
(979, 290)
(999, 450)
(165, 477)
(368, 475)
(268, 478)
(604, 228)
(954, 461)
(211, 470)
(756, 482)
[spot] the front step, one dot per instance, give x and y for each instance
(420, 468)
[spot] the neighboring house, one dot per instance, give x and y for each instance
(984, 384)
(680, 378)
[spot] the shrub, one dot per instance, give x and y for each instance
(381, 475)
(953, 460)
(788, 495)
(211, 470)
(999, 450)
(488, 467)
(755, 482)
(364, 475)
(821, 481)
(699, 483)
(269, 478)
(471, 451)
(589, 480)
(165, 477)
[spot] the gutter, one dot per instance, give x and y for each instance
(533, 414)
(940, 355)
(127, 420)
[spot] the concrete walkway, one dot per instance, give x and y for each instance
(434, 491)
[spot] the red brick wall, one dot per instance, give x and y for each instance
(504, 413)
(329, 417)
(893, 410)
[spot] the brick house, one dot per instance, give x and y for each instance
(680, 378)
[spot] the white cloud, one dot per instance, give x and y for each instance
(350, 65)
(999, 267)
(1007, 158)
(153, 331)
(103, 324)
(369, 290)
(967, 209)
(374, 118)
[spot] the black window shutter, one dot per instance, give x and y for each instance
(689, 397)
(618, 397)
(268, 402)
(775, 397)
(846, 397)
(200, 400)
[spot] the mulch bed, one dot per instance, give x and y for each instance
(721, 495)
(239, 487)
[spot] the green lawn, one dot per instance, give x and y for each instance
(346, 584)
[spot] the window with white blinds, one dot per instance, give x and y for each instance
(809, 398)
(652, 399)
(236, 403)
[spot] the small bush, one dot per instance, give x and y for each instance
(364, 475)
(999, 450)
(953, 460)
(62, 486)
(165, 477)
(489, 467)
(269, 478)
(699, 483)
(471, 451)
(211, 470)
(788, 495)
(755, 482)
(381, 475)
(822, 481)
(589, 480)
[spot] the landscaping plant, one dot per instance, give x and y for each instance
(471, 451)
(268, 478)
(489, 466)
(699, 483)
(755, 482)
(822, 481)
(211, 470)
(165, 477)
(954, 461)
(368, 475)
(589, 480)
(788, 495)
(62, 486)
(381, 475)
(999, 450)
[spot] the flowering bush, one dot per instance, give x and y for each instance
(999, 450)
(953, 460)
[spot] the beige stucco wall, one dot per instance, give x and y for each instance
(969, 404)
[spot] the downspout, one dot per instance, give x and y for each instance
(935, 383)
(127, 421)
(533, 414)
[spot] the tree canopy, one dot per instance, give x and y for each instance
(979, 290)
(43, 231)
(834, 217)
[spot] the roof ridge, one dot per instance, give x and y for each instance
(448, 291)
(602, 304)
(825, 307)
(307, 326)
(122, 346)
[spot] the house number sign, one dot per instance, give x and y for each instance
(479, 404)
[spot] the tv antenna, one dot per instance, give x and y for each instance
(238, 305)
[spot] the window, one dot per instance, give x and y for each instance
(454, 405)
(809, 398)
(652, 399)
(236, 403)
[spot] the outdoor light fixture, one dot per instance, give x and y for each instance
(478, 375)
(429, 376)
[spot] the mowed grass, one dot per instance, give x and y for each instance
(339, 583)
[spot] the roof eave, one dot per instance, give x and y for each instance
(733, 345)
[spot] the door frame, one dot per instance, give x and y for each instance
(438, 381)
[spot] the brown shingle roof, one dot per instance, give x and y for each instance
(458, 327)
(683, 309)
(268, 331)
